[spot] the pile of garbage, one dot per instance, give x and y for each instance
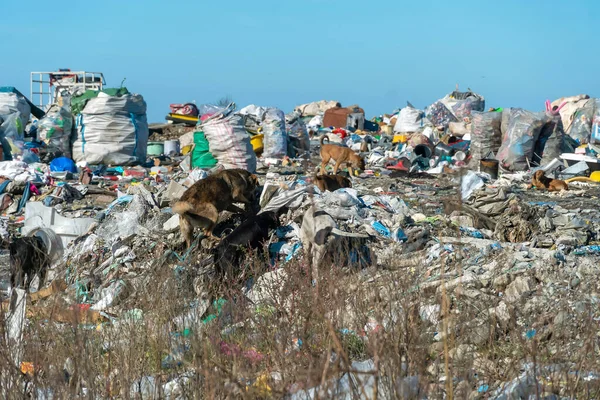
(440, 240)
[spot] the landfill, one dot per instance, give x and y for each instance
(442, 272)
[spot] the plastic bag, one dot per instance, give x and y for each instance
(275, 141)
(439, 114)
(55, 129)
(462, 104)
(297, 134)
(486, 135)
(581, 127)
(551, 142)
(11, 103)
(61, 164)
(201, 155)
(595, 138)
(12, 135)
(410, 120)
(229, 142)
(112, 130)
(524, 128)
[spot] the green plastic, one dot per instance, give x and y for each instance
(201, 155)
(79, 102)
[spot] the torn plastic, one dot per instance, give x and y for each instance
(470, 182)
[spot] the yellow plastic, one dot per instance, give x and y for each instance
(595, 176)
(400, 139)
(187, 149)
(257, 142)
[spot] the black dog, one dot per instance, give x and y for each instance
(28, 256)
(249, 235)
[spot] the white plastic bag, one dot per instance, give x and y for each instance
(275, 141)
(11, 103)
(112, 130)
(410, 120)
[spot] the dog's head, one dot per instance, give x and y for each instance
(539, 175)
(253, 180)
(360, 163)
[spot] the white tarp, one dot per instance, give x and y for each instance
(112, 130)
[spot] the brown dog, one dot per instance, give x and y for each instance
(340, 155)
(541, 181)
(331, 182)
(242, 182)
(200, 205)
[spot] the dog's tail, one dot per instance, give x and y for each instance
(323, 139)
(181, 207)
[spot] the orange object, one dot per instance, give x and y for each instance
(27, 368)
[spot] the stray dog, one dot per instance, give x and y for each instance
(315, 235)
(200, 205)
(340, 155)
(541, 181)
(243, 182)
(28, 256)
(250, 234)
(331, 182)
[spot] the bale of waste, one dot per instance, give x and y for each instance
(201, 155)
(410, 120)
(11, 103)
(112, 129)
(580, 127)
(275, 140)
(595, 139)
(551, 143)
(439, 114)
(299, 140)
(228, 140)
(12, 134)
(574, 113)
(505, 120)
(55, 129)
(486, 135)
(254, 115)
(462, 104)
(316, 108)
(524, 128)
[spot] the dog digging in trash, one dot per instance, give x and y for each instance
(249, 235)
(340, 155)
(200, 205)
(541, 181)
(28, 257)
(331, 182)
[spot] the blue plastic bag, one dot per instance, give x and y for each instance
(62, 164)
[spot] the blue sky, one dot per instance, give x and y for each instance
(378, 54)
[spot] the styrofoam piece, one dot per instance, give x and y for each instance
(37, 215)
